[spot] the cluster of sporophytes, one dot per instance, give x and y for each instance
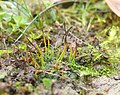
(92, 50)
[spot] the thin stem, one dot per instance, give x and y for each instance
(56, 4)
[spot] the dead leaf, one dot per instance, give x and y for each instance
(114, 6)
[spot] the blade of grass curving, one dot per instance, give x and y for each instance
(51, 6)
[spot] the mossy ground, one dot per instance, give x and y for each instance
(71, 45)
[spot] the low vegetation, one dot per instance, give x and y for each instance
(41, 43)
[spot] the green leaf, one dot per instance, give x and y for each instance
(47, 83)
(22, 46)
(113, 33)
(2, 14)
(5, 51)
(20, 20)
